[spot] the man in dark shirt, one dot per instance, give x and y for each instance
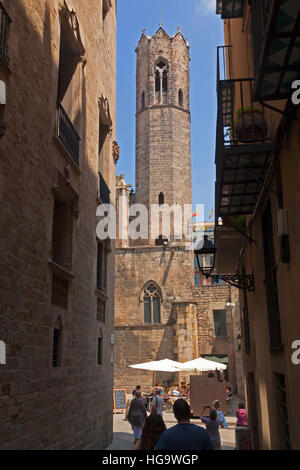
(185, 435)
(137, 388)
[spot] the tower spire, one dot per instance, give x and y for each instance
(161, 17)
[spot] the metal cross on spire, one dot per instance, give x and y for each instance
(161, 17)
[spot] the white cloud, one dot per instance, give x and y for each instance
(205, 7)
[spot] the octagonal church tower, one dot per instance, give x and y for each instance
(155, 316)
(163, 137)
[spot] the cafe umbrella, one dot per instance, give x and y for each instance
(165, 365)
(201, 365)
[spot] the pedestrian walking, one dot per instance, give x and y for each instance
(157, 403)
(137, 415)
(153, 428)
(212, 425)
(217, 407)
(137, 388)
(241, 415)
(184, 435)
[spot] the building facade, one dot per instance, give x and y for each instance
(257, 197)
(159, 312)
(57, 164)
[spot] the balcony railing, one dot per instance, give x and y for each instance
(67, 134)
(230, 8)
(260, 10)
(219, 7)
(104, 190)
(276, 45)
(4, 24)
(243, 142)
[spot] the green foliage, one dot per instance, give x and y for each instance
(239, 221)
(246, 109)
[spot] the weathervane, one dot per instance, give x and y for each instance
(161, 17)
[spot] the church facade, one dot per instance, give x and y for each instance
(159, 311)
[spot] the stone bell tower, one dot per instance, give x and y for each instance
(163, 144)
(155, 315)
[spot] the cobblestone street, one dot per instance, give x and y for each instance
(123, 437)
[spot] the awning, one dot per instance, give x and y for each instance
(280, 60)
(221, 360)
(243, 172)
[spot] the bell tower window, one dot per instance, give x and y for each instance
(161, 82)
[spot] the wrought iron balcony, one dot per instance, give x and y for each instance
(104, 190)
(230, 8)
(260, 10)
(4, 24)
(243, 143)
(67, 134)
(276, 45)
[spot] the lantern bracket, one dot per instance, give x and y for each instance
(240, 281)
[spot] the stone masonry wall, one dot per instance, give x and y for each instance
(136, 342)
(45, 407)
(210, 298)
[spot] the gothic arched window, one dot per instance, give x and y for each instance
(165, 81)
(157, 81)
(161, 81)
(161, 199)
(152, 302)
(180, 97)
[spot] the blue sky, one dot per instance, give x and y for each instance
(203, 27)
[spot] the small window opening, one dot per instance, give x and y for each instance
(180, 98)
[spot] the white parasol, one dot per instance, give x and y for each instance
(165, 365)
(201, 365)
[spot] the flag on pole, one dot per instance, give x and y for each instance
(212, 211)
(196, 213)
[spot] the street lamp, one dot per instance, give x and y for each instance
(206, 263)
(206, 257)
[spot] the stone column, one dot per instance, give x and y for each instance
(185, 332)
(122, 211)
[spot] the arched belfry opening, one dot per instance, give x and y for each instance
(161, 199)
(161, 82)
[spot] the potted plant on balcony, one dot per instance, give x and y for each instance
(239, 221)
(250, 125)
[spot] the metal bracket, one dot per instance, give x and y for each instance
(262, 183)
(241, 281)
(242, 232)
(276, 110)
